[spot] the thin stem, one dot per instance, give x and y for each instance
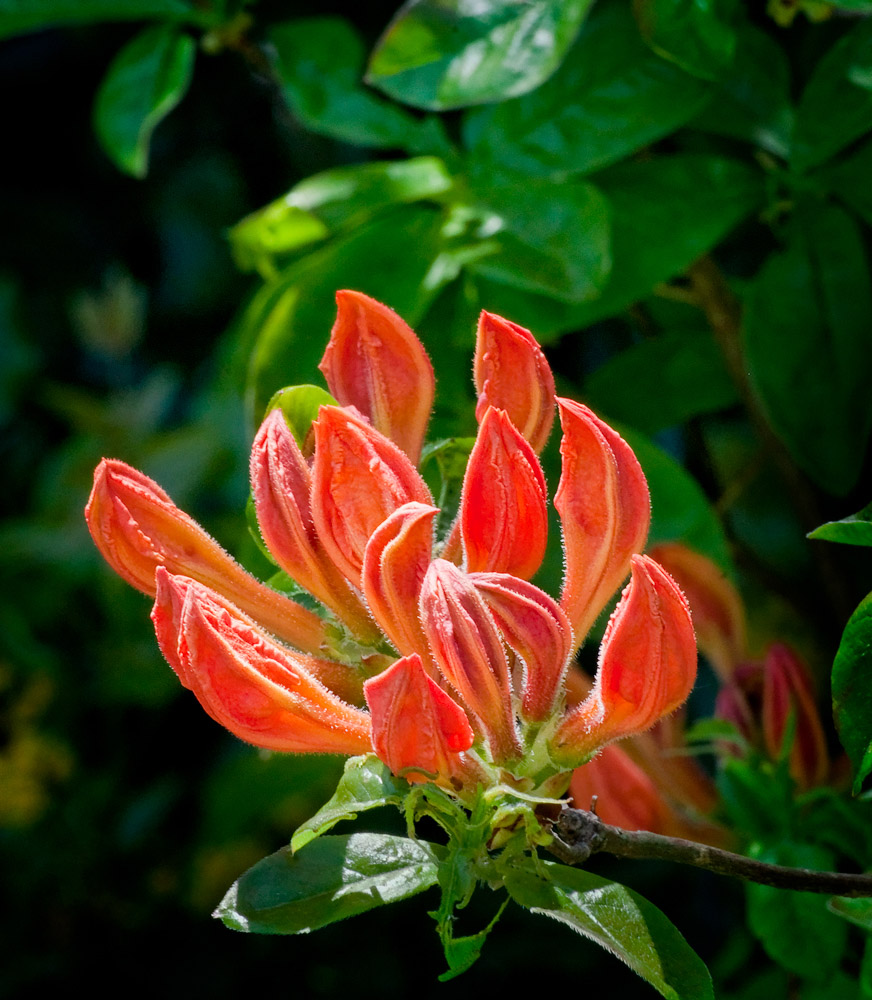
(579, 833)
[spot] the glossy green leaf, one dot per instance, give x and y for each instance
(852, 695)
(855, 911)
(753, 100)
(612, 96)
(441, 54)
(808, 338)
(696, 34)
(366, 783)
(836, 105)
(333, 878)
(289, 320)
(20, 16)
(538, 242)
(853, 530)
(617, 919)
(665, 213)
(333, 200)
(795, 928)
(146, 80)
(300, 405)
(691, 379)
(320, 61)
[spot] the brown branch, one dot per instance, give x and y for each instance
(578, 834)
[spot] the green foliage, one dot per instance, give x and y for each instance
(856, 529)
(852, 699)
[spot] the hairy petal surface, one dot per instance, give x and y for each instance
(263, 693)
(536, 628)
(511, 373)
(416, 726)
(281, 484)
(646, 669)
(468, 650)
(503, 515)
(605, 511)
(359, 478)
(394, 565)
(375, 362)
(137, 528)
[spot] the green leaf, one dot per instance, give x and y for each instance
(852, 693)
(795, 928)
(853, 530)
(538, 245)
(855, 911)
(300, 405)
(679, 508)
(849, 179)
(808, 338)
(333, 878)
(145, 81)
(612, 96)
(441, 54)
(753, 100)
(836, 105)
(320, 61)
(691, 379)
(696, 34)
(20, 16)
(366, 783)
(616, 918)
(331, 201)
(289, 320)
(666, 212)
(462, 953)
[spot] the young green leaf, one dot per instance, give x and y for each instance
(333, 878)
(145, 81)
(366, 783)
(616, 918)
(696, 34)
(442, 54)
(852, 696)
(853, 530)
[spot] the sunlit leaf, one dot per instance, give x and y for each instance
(853, 530)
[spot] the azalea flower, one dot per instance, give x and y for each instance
(437, 654)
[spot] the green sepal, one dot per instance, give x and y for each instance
(335, 878)
(366, 783)
(615, 917)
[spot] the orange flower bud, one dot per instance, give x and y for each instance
(281, 486)
(503, 518)
(605, 510)
(470, 654)
(359, 478)
(418, 727)
(137, 528)
(534, 626)
(646, 669)
(718, 613)
(394, 565)
(787, 692)
(511, 372)
(263, 693)
(375, 362)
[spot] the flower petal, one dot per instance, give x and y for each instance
(503, 517)
(625, 795)
(416, 726)
(375, 362)
(137, 528)
(261, 692)
(470, 653)
(281, 485)
(535, 627)
(394, 565)
(359, 478)
(511, 372)
(646, 669)
(605, 510)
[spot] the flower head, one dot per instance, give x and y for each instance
(440, 656)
